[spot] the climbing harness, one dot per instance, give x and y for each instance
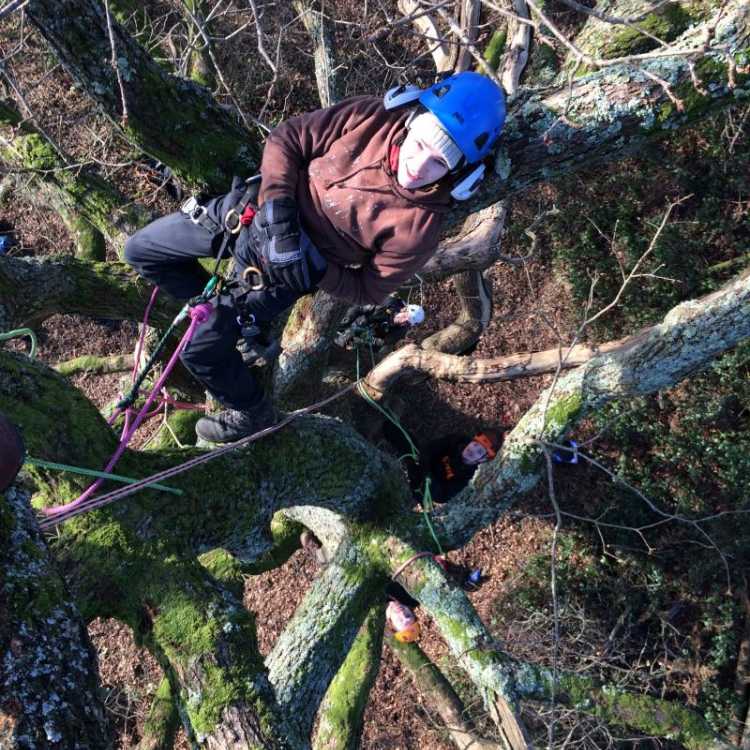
(197, 309)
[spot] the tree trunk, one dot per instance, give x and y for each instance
(343, 707)
(90, 207)
(32, 289)
(49, 694)
(615, 110)
(324, 54)
(204, 144)
(690, 336)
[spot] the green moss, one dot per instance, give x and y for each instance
(667, 25)
(346, 698)
(562, 412)
(205, 712)
(181, 426)
(224, 568)
(496, 47)
(162, 720)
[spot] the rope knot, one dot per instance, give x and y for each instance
(201, 313)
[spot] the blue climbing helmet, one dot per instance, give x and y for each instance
(471, 109)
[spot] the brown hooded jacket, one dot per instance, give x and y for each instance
(335, 162)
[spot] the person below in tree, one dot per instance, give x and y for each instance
(378, 325)
(450, 462)
(350, 200)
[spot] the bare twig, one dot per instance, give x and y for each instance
(11, 7)
(115, 66)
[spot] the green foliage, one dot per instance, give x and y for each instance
(496, 47)
(688, 451)
(610, 217)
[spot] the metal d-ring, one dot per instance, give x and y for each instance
(237, 227)
(258, 285)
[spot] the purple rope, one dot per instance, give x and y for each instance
(198, 315)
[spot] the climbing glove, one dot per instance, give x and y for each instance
(278, 243)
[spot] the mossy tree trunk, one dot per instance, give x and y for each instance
(32, 289)
(90, 207)
(204, 143)
(49, 691)
(605, 113)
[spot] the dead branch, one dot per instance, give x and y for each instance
(439, 693)
(412, 359)
(517, 54)
(475, 299)
(326, 70)
(426, 26)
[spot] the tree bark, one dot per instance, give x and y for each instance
(342, 709)
(32, 289)
(304, 347)
(690, 336)
(49, 693)
(90, 207)
(324, 54)
(204, 144)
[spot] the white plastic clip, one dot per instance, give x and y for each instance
(400, 95)
(467, 187)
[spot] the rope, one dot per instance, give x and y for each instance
(92, 473)
(18, 333)
(198, 315)
(426, 505)
(132, 395)
(64, 513)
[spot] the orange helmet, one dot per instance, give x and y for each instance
(409, 634)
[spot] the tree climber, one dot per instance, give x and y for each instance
(350, 200)
(449, 462)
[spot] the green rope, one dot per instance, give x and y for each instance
(427, 508)
(426, 505)
(92, 473)
(17, 333)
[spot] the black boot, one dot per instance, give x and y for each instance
(230, 425)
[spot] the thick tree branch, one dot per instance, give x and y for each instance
(203, 145)
(550, 133)
(32, 289)
(326, 70)
(89, 206)
(690, 336)
(48, 685)
(342, 709)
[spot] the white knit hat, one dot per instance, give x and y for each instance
(427, 127)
